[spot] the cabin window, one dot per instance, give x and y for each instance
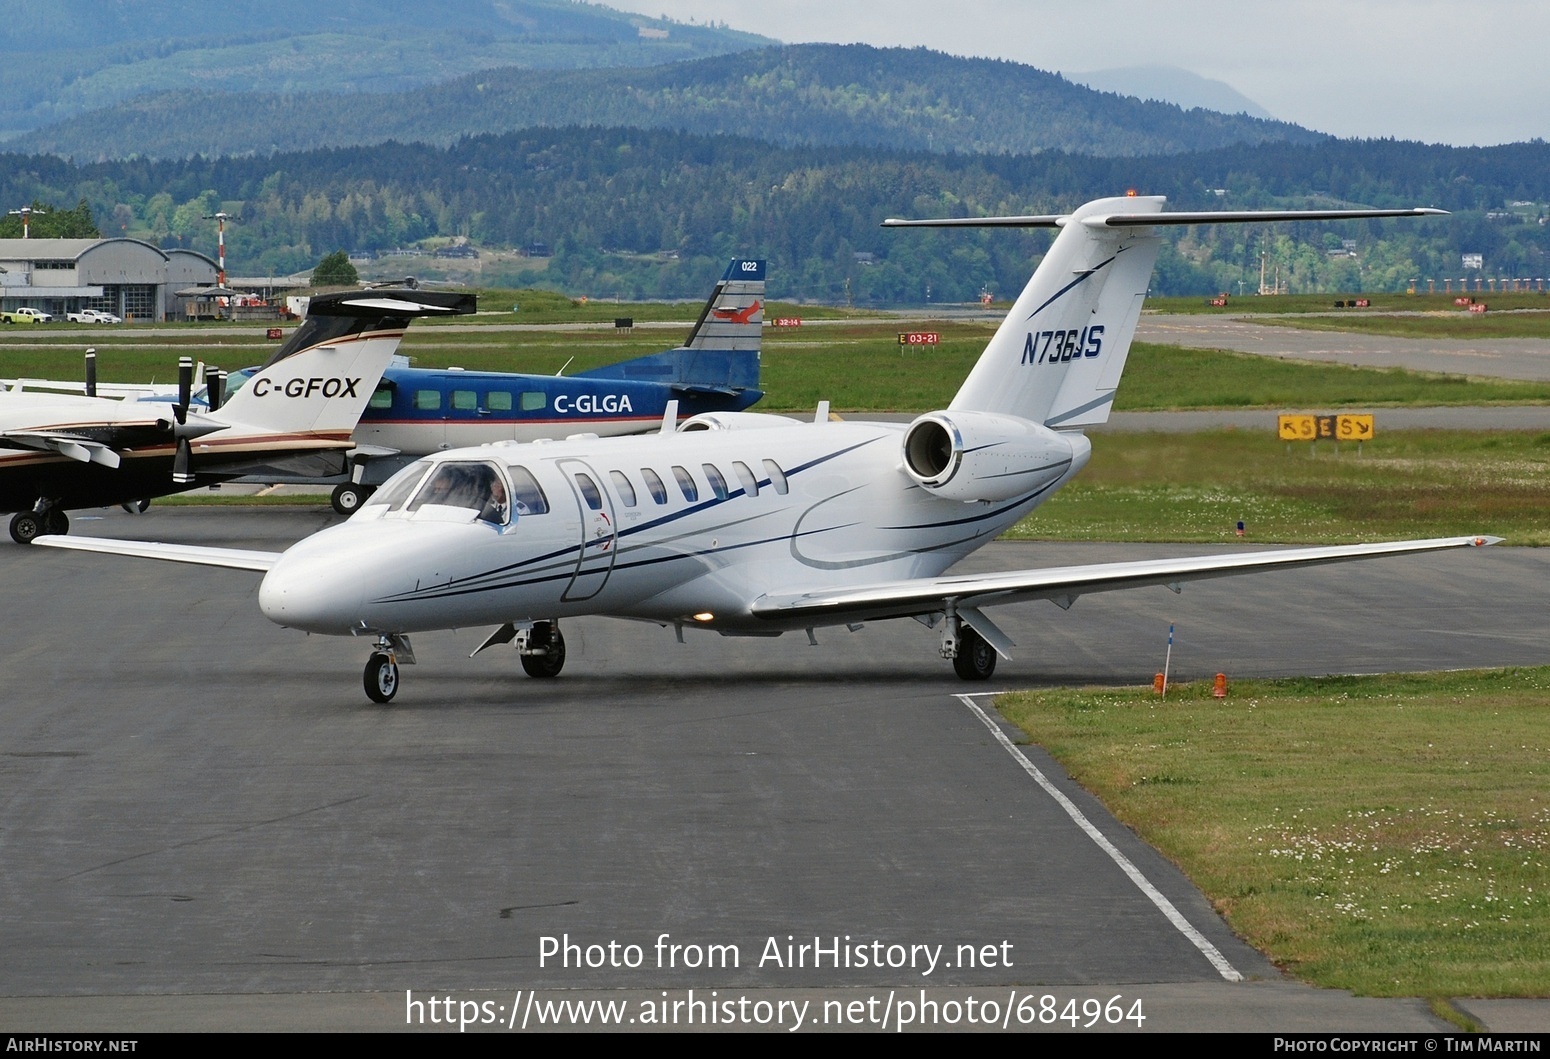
(381, 397)
(654, 483)
(777, 476)
(527, 494)
(589, 491)
(623, 487)
(718, 484)
(746, 476)
(498, 401)
(427, 400)
(535, 402)
(464, 400)
(686, 484)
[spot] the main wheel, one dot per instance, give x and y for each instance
(381, 677)
(976, 659)
(348, 498)
(136, 507)
(25, 526)
(546, 634)
(56, 522)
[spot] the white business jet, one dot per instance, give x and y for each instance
(757, 525)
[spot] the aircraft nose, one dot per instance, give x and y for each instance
(317, 593)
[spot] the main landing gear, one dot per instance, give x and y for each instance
(976, 659)
(972, 655)
(542, 649)
(348, 498)
(42, 519)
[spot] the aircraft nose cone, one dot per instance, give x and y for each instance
(318, 593)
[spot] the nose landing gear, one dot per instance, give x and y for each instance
(380, 678)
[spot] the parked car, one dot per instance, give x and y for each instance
(93, 316)
(25, 315)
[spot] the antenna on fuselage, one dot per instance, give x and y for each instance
(670, 417)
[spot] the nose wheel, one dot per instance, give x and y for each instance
(381, 677)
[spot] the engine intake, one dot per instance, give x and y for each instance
(982, 456)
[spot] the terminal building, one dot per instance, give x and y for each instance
(127, 277)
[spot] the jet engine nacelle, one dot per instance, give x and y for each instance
(735, 421)
(982, 456)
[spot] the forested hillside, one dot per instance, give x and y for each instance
(657, 214)
(59, 58)
(815, 94)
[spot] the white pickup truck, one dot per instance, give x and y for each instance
(93, 316)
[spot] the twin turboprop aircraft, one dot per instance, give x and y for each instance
(418, 411)
(757, 525)
(59, 452)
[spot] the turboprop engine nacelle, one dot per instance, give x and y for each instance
(982, 456)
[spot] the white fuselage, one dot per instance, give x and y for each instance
(766, 510)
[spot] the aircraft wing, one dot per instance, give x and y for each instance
(1063, 584)
(231, 558)
(66, 444)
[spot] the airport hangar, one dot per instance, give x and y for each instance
(127, 277)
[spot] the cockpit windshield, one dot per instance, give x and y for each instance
(474, 486)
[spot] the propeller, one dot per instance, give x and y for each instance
(180, 460)
(215, 388)
(91, 371)
(185, 388)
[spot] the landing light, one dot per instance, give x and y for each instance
(704, 615)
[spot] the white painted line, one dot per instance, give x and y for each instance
(1184, 926)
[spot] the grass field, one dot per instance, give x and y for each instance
(1410, 484)
(1386, 835)
(857, 366)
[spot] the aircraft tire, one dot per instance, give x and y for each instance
(547, 665)
(25, 526)
(348, 498)
(56, 522)
(976, 659)
(380, 678)
(136, 507)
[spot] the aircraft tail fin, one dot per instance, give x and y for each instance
(721, 354)
(318, 382)
(733, 317)
(1057, 357)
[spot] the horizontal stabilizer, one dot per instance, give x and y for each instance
(230, 558)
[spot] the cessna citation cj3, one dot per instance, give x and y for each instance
(756, 525)
(59, 452)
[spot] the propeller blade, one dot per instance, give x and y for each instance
(91, 373)
(215, 389)
(180, 471)
(185, 387)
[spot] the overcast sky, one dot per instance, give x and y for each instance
(1459, 73)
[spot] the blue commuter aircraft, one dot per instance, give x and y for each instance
(415, 412)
